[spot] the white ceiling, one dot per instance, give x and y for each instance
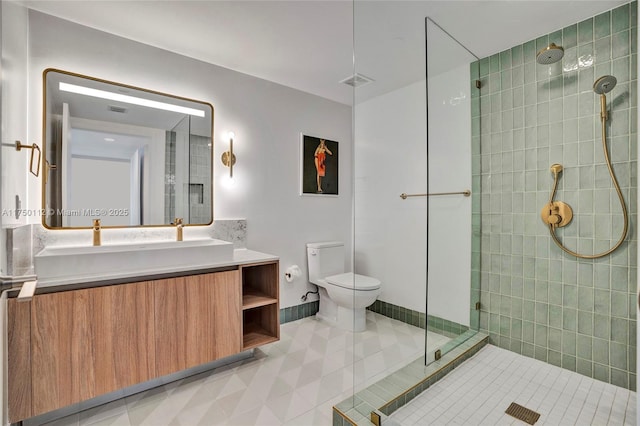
(308, 45)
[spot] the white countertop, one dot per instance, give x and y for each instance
(240, 257)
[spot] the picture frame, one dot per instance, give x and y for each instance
(319, 171)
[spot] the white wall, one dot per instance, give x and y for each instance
(267, 119)
(15, 164)
(391, 158)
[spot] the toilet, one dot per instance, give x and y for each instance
(344, 296)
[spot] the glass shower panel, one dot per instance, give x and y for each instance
(413, 98)
(390, 158)
(452, 279)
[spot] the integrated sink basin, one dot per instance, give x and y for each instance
(115, 260)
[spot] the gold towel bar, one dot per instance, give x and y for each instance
(466, 193)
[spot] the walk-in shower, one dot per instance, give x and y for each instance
(558, 214)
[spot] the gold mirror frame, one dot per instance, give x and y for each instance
(48, 167)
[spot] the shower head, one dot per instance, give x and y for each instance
(550, 54)
(604, 84)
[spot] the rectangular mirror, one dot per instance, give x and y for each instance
(124, 155)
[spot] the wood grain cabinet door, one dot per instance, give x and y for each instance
(197, 320)
(86, 343)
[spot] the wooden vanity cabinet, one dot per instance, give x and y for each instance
(197, 320)
(70, 346)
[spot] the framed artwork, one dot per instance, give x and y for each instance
(318, 166)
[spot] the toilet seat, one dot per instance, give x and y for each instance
(352, 281)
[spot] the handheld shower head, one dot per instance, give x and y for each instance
(604, 84)
(550, 54)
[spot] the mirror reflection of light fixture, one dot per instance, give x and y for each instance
(228, 158)
(134, 100)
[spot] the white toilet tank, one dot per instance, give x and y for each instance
(325, 259)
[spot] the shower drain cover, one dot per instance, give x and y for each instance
(522, 413)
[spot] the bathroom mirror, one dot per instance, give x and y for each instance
(125, 155)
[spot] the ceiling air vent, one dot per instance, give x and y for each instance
(357, 80)
(117, 109)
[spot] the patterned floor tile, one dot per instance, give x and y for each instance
(293, 382)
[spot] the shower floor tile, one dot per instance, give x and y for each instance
(480, 390)
(293, 382)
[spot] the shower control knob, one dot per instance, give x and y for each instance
(554, 219)
(557, 214)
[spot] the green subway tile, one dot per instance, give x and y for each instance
(494, 62)
(529, 51)
(569, 342)
(542, 42)
(619, 330)
(620, 18)
(485, 67)
(554, 358)
(602, 326)
(601, 351)
(602, 302)
(618, 354)
(585, 31)
(602, 50)
(584, 367)
(541, 335)
(585, 298)
(555, 316)
(602, 25)
(569, 36)
(556, 37)
(619, 378)
(540, 353)
(505, 60)
(620, 45)
(584, 347)
(619, 304)
(528, 349)
(601, 372)
(585, 322)
(554, 339)
(516, 55)
(569, 362)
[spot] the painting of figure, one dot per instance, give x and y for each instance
(319, 166)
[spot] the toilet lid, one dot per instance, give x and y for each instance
(360, 282)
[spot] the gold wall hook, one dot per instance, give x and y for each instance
(20, 146)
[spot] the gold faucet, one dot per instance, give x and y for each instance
(96, 232)
(178, 223)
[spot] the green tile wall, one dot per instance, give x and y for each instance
(535, 299)
(297, 312)
(418, 319)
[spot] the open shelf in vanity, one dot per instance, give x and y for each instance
(260, 307)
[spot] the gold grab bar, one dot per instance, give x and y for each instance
(466, 193)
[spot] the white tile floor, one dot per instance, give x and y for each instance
(295, 381)
(480, 390)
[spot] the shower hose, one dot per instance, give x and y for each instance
(603, 119)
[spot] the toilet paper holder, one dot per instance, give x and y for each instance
(292, 272)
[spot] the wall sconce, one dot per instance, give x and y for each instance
(228, 158)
